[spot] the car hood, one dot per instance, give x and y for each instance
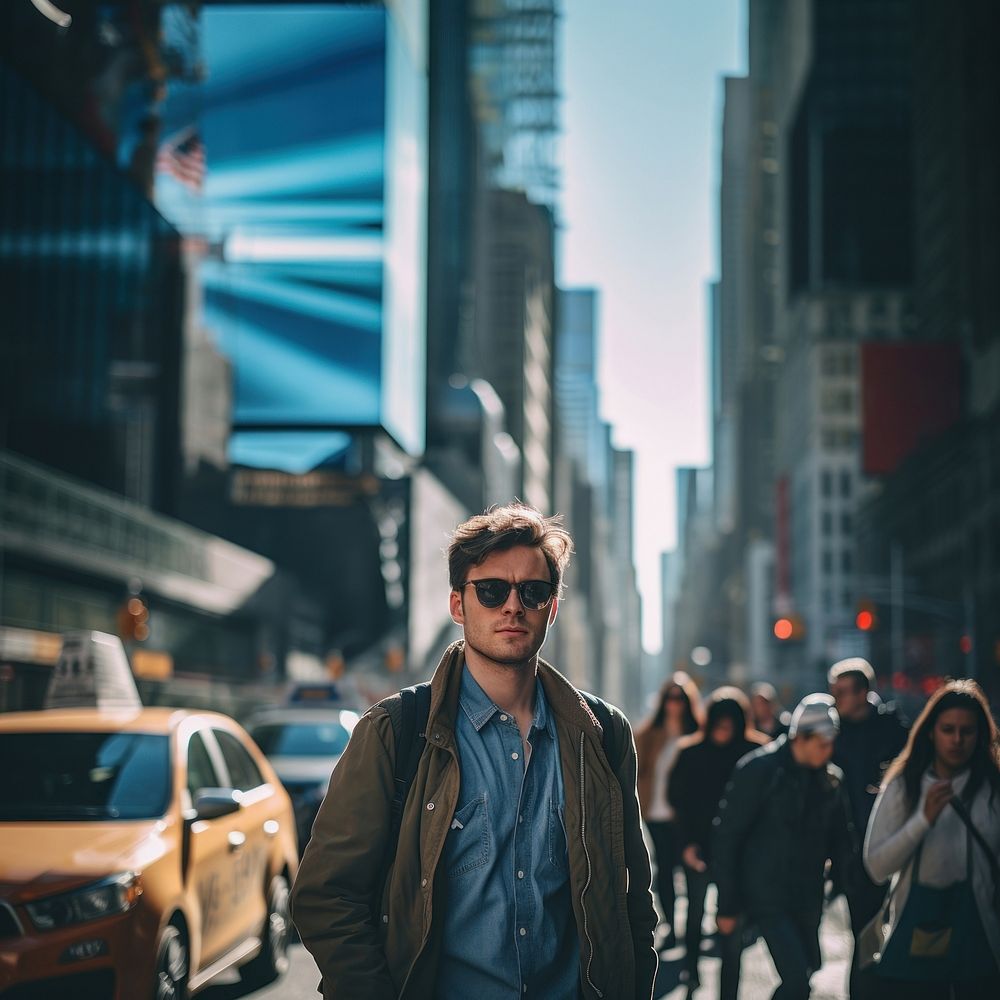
(303, 769)
(39, 859)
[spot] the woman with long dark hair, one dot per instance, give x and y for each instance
(935, 829)
(677, 713)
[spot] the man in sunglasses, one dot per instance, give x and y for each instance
(520, 869)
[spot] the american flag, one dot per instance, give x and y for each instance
(184, 159)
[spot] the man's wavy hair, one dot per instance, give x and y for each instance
(501, 528)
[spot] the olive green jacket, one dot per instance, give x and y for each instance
(396, 953)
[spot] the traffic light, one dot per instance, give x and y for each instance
(789, 628)
(133, 620)
(866, 619)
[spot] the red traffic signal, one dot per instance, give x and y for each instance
(865, 621)
(789, 627)
(866, 618)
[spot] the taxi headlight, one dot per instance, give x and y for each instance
(117, 894)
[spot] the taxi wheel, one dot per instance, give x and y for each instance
(171, 966)
(272, 961)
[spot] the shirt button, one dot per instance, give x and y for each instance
(430, 807)
(523, 931)
(385, 918)
(520, 818)
(423, 882)
(513, 756)
(520, 874)
(503, 718)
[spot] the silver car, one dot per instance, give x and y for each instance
(303, 746)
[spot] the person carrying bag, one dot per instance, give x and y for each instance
(938, 933)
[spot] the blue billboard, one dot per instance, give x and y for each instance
(301, 161)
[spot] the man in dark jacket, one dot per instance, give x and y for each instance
(704, 764)
(520, 868)
(784, 815)
(871, 735)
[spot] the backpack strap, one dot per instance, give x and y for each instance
(408, 711)
(610, 739)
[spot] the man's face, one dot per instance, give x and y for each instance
(850, 696)
(510, 634)
(815, 751)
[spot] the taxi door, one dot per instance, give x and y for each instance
(212, 847)
(249, 874)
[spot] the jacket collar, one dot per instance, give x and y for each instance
(564, 701)
(479, 709)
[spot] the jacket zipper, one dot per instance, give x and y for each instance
(586, 886)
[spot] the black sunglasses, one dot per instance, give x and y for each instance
(534, 594)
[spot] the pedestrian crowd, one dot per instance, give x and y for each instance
(483, 833)
(782, 813)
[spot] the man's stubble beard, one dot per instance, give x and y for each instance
(510, 663)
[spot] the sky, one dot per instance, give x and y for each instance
(642, 119)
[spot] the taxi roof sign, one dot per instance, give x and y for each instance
(92, 672)
(319, 692)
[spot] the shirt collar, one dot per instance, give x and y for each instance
(480, 709)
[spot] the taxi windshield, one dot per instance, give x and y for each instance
(301, 739)
(83, 776)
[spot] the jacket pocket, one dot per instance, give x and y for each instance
(557, 837)
(468, 843)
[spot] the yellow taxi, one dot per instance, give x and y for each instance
(143, 851)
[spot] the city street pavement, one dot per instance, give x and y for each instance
(757, 976)
(299, 983)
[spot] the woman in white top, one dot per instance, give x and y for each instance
(677, 713)
(943, 925)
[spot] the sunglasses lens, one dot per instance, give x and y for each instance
(535, 594)
(492, 593)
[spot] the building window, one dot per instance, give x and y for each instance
(826, 483)
(845, 483)
(846, 561)
(827, 523)
(846, 523)
(827, 561)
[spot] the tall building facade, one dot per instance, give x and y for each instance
(599, 638)
(492, 201)
(844, 276)
(931, 535)
(108, 383)
(92, 275)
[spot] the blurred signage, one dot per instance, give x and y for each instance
(266, 488)
(152, 665)
(910, 393)
(24, 645)
(311, 207)
(314, 693)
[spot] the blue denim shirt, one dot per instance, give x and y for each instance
(509, 929)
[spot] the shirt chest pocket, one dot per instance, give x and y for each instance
(468, 843)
